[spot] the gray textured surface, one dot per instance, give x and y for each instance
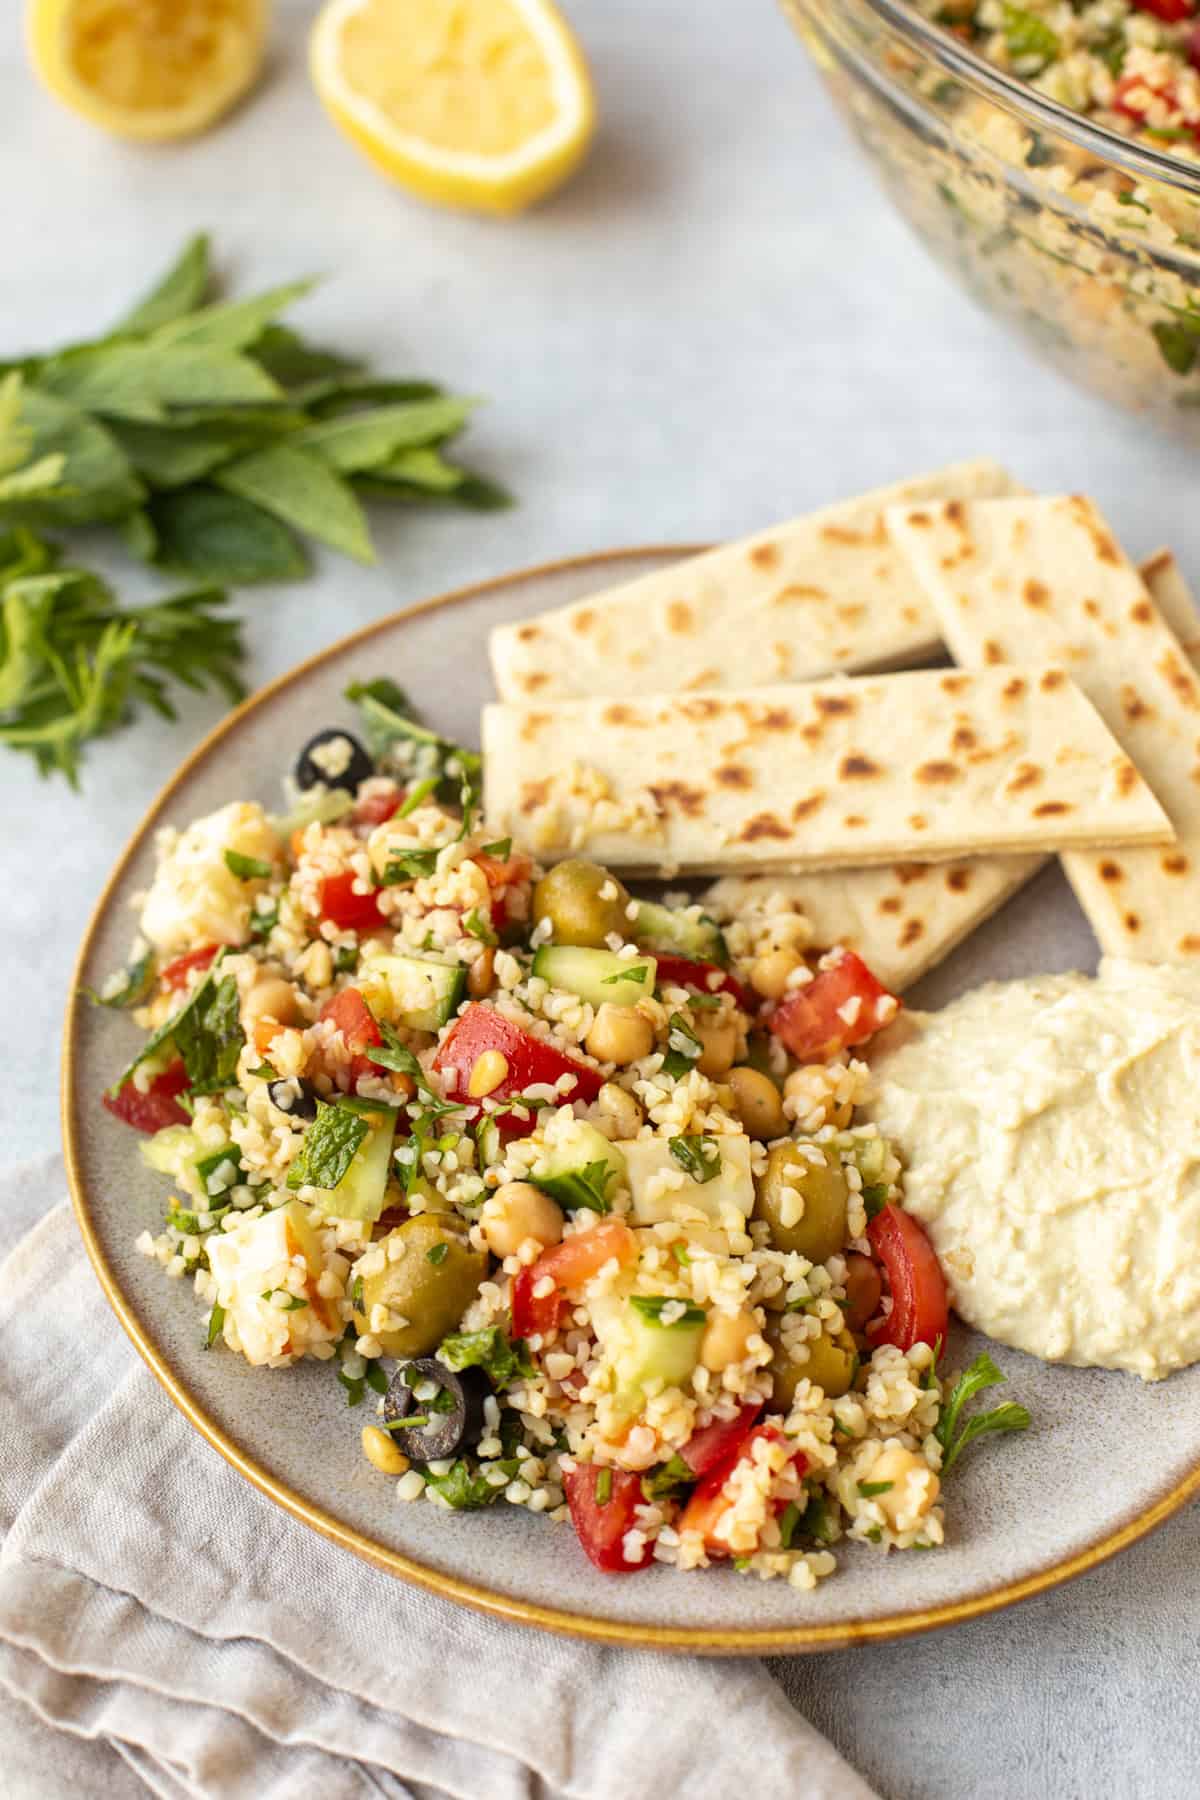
(719, 323)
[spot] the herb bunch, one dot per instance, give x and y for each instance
(216, 439)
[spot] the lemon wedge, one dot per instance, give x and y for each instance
(474, 103)
(148, 69)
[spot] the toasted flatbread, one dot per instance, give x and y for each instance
(1016, 578)
(823, 594)
(1174, 600)
(927, 766)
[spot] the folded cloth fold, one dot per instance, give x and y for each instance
(180, 1635)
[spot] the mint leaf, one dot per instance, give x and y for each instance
(462, 1489)
(209, 1037)
(229, 324)
(96, 483)
(141, 381)
(1027, 35)
(135, 983)
(683, 1047)
(330, 1145)
(365, 440)
(216, 536)
(303, 491)
(179, 291)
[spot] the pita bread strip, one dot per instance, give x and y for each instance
(822, 594)
(927, 766)
(1046, 578)
(1174, 600)
(902, 919)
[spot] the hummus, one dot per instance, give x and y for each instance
(1051, 1134)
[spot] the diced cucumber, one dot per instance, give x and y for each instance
(203, 1174)
(489, 1145)
(598, 976)
(869, 1154)
(662, 928)
(645, 1354)
(648, 1159)
(581, 1169)
(317, 805)
(409, 990)
(361, 1192)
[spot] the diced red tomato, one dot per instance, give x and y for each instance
(1193, 46)
(349, 910)
(685, 971)
(920, 1309)
(176, 973)
(1127, 96)
(502, 873)
(354, 1019)
(821, 1018)
(378, 807)
(1171, 12)
(603, 1504)
(717, 1445)
(708, 1505)
(568, 1265)
(157, 1107)
(532, 1062)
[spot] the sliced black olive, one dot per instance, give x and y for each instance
(308, 773)
(444, 1423)
(296, 1098)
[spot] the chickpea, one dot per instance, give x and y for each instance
(770, 972)
(718, 1034)
(382, 1453)
(518, 1211)
(271, 997)
(914, 1487)
(725, 1340)
(619, 1034)
(481, 976)
(758, 1104)
(619, 1105)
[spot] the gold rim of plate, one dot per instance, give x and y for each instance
(743, 1641)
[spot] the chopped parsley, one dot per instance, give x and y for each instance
(680, 1253)
(437, 1253)
(216, 1324)
(345, 958)
(652, 1307)
(416, 796)
(502, 1359)
(683, 1047)
(501, 850)
(476, 926)
(205, 1032)
(394, 1054)
(464, 1489)
(603, 1490)
(576, 1189)
(982, 1374)
(667, 1479)
(639, 972)
(789, 1519)
(408, 865)
(263, 923)
(247, 868)
(817, 1521)
(329, 1146)
(698, 1155)
(293, 1303)
(1028, 37)
(869, 1489)
(372, 1377)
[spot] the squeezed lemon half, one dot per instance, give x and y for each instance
(484, 104)
(148, 69)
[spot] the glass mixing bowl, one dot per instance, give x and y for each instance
(1087, 243)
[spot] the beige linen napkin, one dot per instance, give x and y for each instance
(170, 1630)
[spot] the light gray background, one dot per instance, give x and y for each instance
(719, 323)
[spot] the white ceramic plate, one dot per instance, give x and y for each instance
(1107, 1458)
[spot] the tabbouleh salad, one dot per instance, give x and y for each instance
(1133, 68)
(567, 1186)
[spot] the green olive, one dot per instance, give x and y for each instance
(431, 1284)
(820, 1231)
(570, 897)
(831, 1364)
